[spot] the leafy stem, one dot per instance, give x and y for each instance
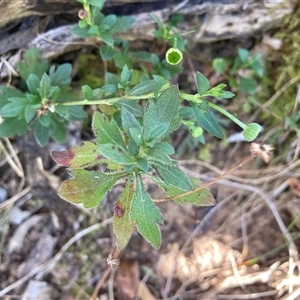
(228, 115)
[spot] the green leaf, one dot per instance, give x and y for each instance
(33, 64)
(122, 225)
(168, 104)
(219, 64)
(174, 176)
(61, 76)
(41, 133)
(107, 38)
(76, 113)
(157, 20)
(13, 109)
(62, 110)
(251, 131)
(157, 132)
(60, 133)
(107, 52)
(159, 83)
(129, 121)
(133, 107)
(109, 20)
(81, 32)
(88, 187)
(87, 92)
(143, 88)
(29, 113)
(137, 135)
(125, 75)
(186, 112)
(159, 153)
(243, 54)
(79, 157)
(143, 164)
(45, 86)
(122, 24)
(7, 93)
(200, 198)
(13, 126)
(33, 82)
(107, 131)
(146, 215)
(97, 3)
(45, 119)
(116, 153)
(202, 84)
(110, 88)
(247, 85)
(208, 122)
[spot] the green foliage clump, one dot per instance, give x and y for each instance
(131, 137)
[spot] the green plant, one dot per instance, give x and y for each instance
(41, 108)
(131, 137)
(241, 73)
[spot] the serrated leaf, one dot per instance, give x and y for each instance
(62, 75)
(79, 157)
(200, 198)
(202, 84)
(208, 122)
(170, 174)
(122, 225)
(116, 153)
(88, 187)
(143, 88)
(251, 131)
(107, 131)
(145, 214)
(136, 109)
(107, 52)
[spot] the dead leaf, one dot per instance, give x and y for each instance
(295, 186)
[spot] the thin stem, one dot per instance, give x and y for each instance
(228, 115)
(108, 101)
